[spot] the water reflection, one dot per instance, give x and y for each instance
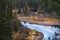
(48, 31)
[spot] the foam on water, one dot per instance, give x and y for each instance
(48, 31)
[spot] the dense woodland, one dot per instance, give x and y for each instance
(9, 23)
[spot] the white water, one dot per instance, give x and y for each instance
(48, 31)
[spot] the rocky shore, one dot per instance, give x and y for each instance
(25, 33)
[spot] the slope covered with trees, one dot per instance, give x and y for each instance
(8, 21)
(7, 25)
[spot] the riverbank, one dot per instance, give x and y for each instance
(25, 33)
(38, 20)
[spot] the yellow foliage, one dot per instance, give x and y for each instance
(31, 32)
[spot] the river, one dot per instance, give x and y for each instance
(48, 31)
